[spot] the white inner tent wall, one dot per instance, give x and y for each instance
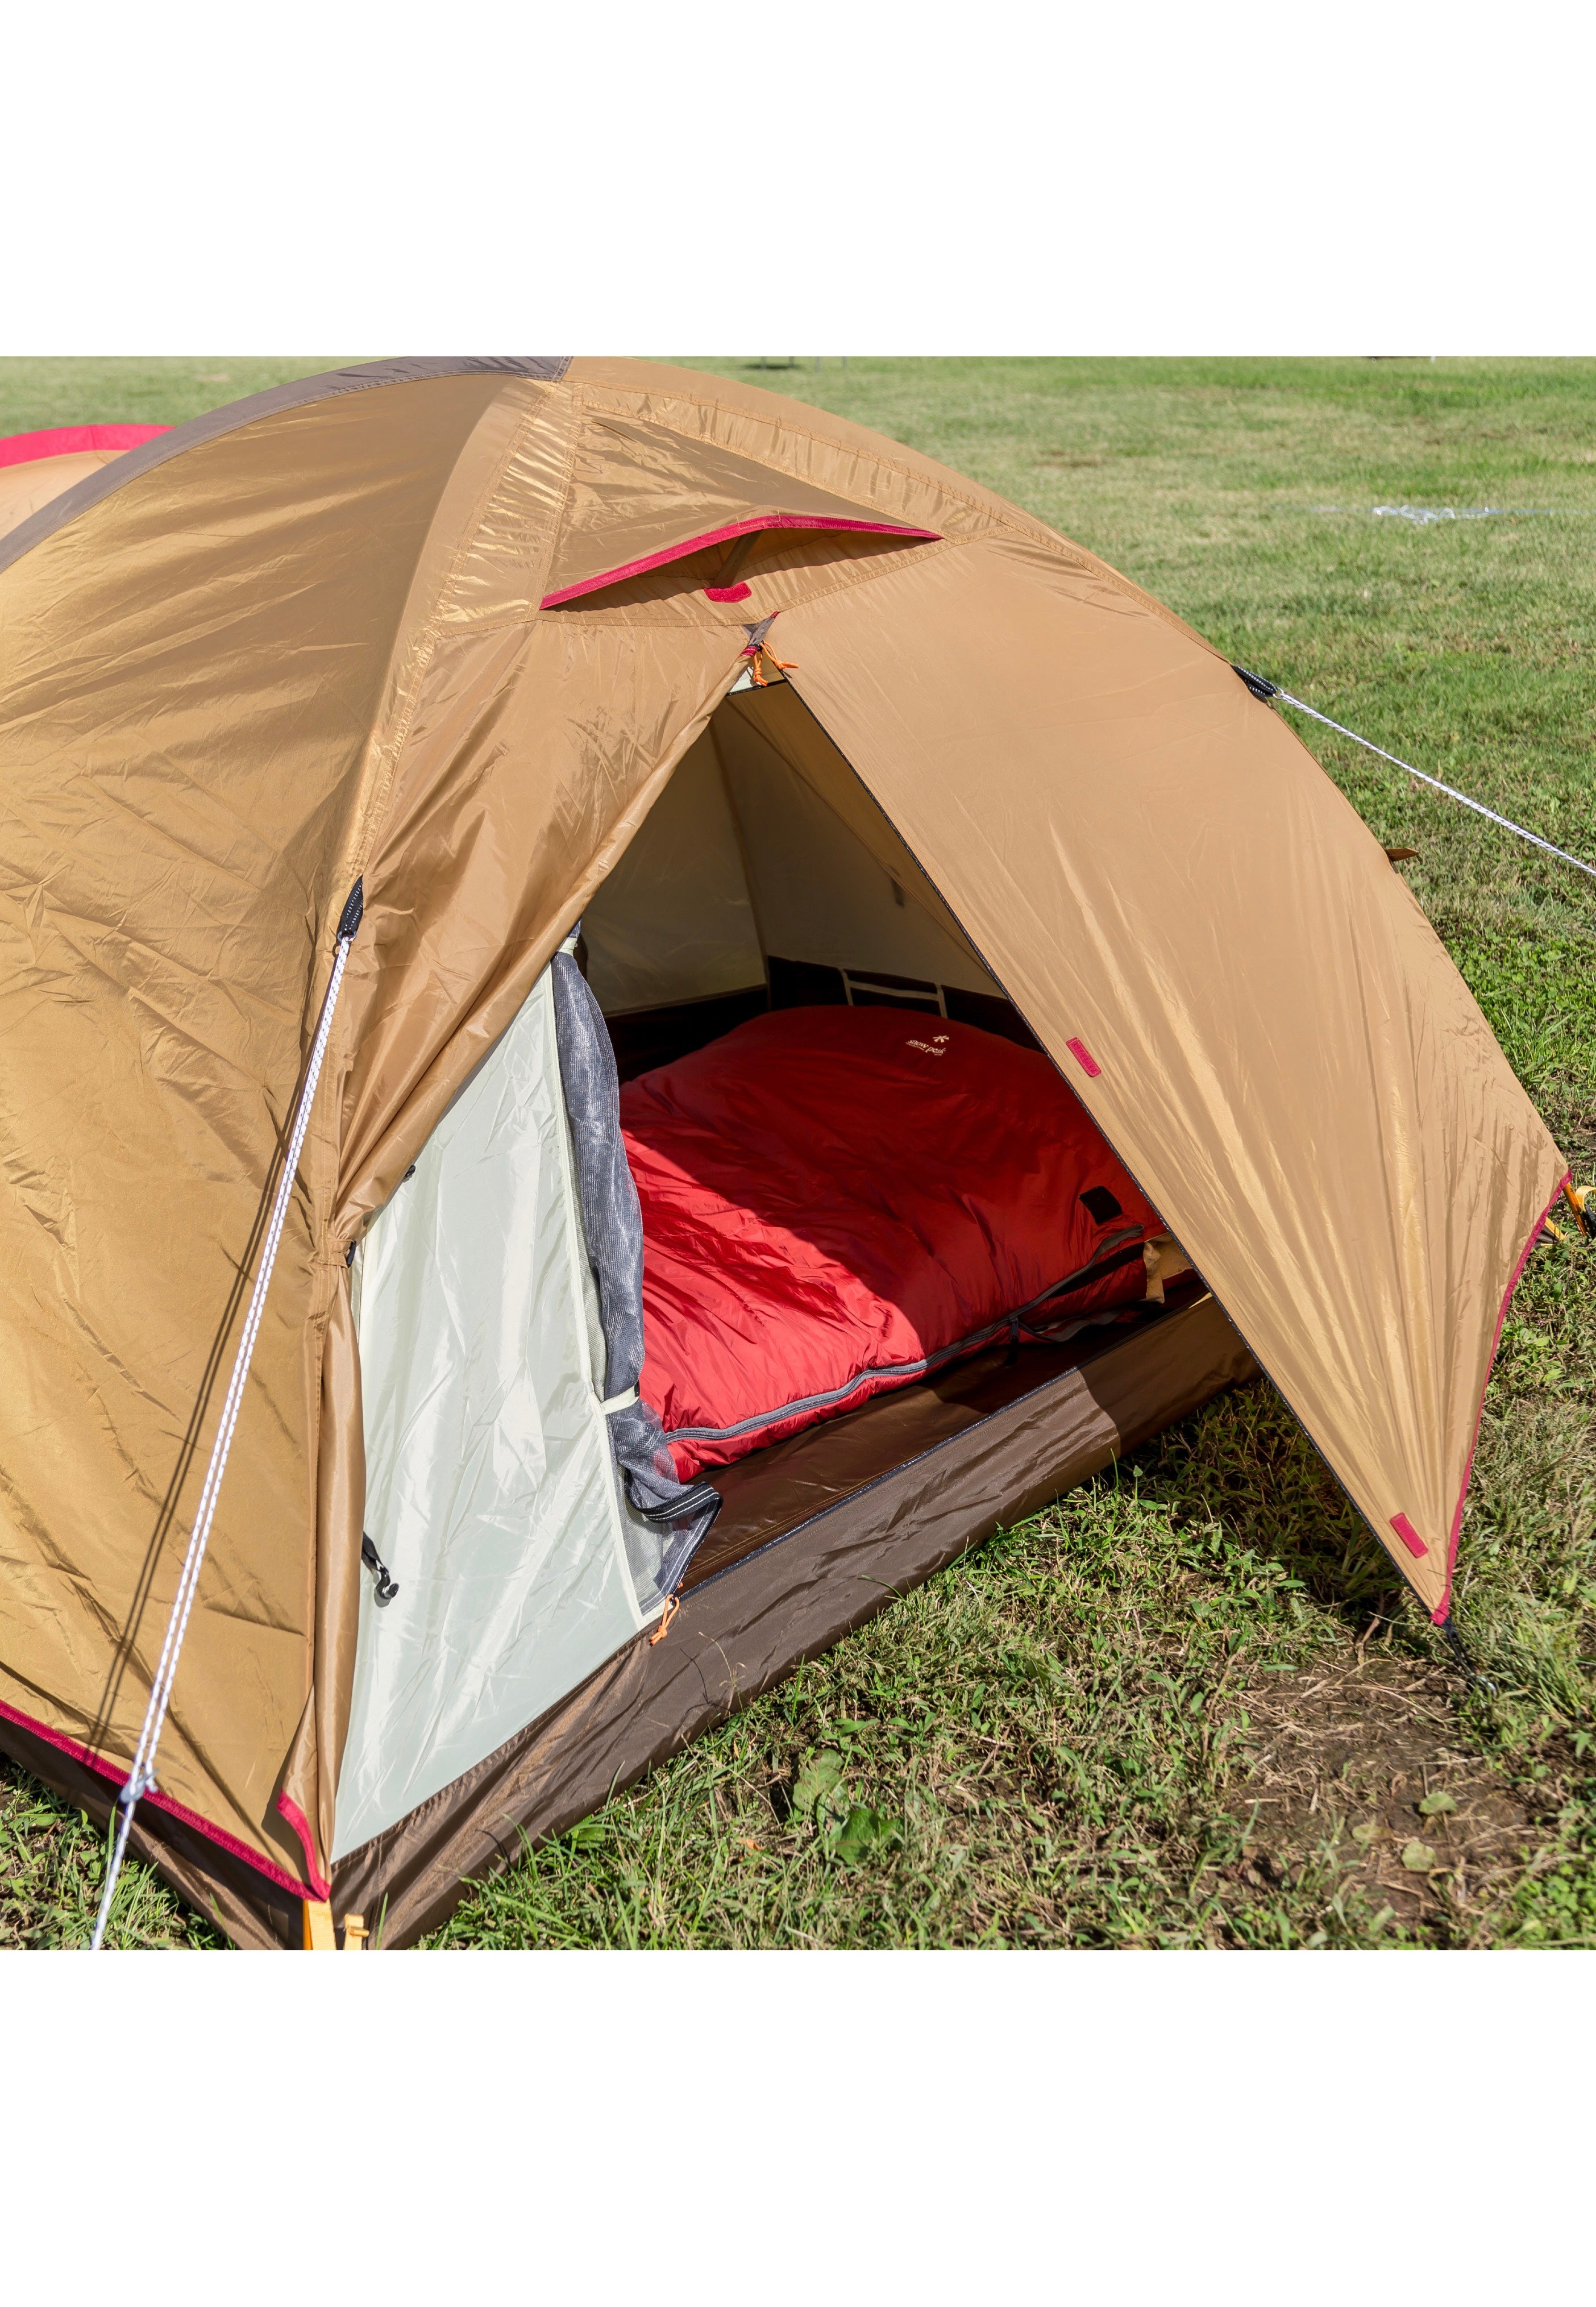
(766, 843)
(673, 922)
(490, 1490)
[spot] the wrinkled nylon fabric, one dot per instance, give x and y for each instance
(24, 489)
(1289, 1063)
(612, 1231)
(831, 879)
(640, 493)
(831, 1196)
(673, 922)
(305, 648)
(188, 676)
(490, 1498)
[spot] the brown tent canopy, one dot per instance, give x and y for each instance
(469, 631)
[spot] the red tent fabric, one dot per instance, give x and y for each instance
(75, 441)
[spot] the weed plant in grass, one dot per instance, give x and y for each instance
(1190, 1705)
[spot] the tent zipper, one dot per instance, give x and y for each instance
(387, 1587)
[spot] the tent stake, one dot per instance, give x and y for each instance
(1465, 1665)
(318, 1938)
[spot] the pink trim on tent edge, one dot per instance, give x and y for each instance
(1443, 1609)
(289, 1809)
(216, 1834)
(723, 535)
(76, 440)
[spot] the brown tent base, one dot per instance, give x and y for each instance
(816, 1535)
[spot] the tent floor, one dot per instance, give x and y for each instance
(816, 1535)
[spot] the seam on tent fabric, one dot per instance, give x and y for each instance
(425, 639)
(1443, 1609)
(299, 393)
(999, 512)
(1110, 1345)
(180, 1811)
(423, 644)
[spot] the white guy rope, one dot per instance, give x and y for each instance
(141, 1778)
(1451, 791)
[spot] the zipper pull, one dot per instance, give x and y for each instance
(387, 1588)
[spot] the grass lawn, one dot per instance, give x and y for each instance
(1189, 1704)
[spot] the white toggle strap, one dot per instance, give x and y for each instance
(619, 1401)
(571, 943)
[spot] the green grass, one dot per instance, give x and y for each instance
(1189, 1705)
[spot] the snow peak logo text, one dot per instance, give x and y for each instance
(937, 1048)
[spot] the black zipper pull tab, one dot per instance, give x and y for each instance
(387, 1588)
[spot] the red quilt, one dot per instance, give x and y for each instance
(835, 1198)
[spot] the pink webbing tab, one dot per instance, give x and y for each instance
(1084, 1059)
(1409, 1536)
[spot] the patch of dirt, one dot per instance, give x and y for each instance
(1341, 1763)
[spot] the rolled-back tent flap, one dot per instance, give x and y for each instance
(1215, 951)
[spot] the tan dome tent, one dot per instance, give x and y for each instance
(792, 721)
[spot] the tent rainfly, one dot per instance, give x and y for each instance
(37, 467)
(897, 828)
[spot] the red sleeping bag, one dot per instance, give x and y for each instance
(834, 1198)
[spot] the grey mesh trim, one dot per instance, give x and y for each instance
(613, 1225)
(217, 422)
(1006, 1325)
